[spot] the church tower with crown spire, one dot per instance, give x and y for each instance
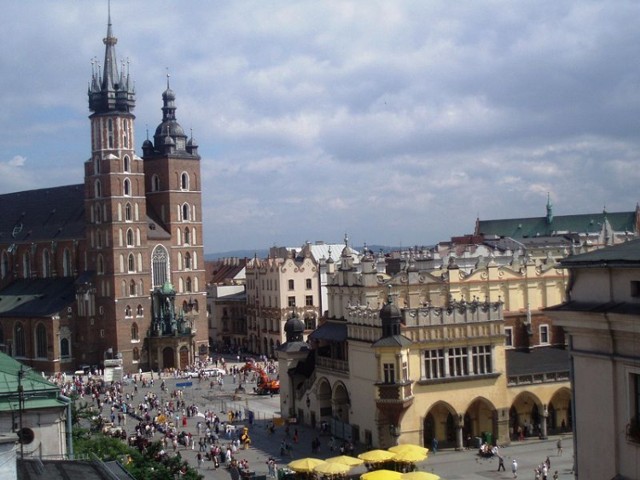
(115, 208)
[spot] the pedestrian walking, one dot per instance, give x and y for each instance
(559, 446)
(501, 463)
(514, 468)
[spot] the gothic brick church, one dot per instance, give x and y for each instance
(112, 268)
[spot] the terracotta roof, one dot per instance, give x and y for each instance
(224, 270)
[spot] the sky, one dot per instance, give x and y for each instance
(398, 123)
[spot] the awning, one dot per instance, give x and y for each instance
(333, 332)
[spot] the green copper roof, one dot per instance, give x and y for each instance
(557, 225)
(38, 392)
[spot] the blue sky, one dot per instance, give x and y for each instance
(397, 122)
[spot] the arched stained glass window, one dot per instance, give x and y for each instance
(160, 265)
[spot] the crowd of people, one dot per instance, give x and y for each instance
(130, 405)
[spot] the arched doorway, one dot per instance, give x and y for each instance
(184, 357)
(560, 420)
(168, 360)
(440, 423)
(525, 415)
(481, 416)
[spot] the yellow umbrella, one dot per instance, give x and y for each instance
(381, 475)
(420, 476)
(376, 456)
(408, 446)
(345, 460)
(305, 465)
(329, 468)
(410, 456)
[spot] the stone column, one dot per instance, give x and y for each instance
(545, 416)
(459, 435)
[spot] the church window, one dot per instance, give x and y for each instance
(187, 236)
(132, 263)
(41, 341)
(188, 284)
(98, 188)
(46, 264)
(184, 181)
(100, 264)
(110, 132)
(155, 183)
(127, 311)
(19, 340)
(66, 263)
(64, 348)
(126, 163)
(126, 188)
(129, 238)
(99, 237)
(187, 261)
(4, 265)
(185, 212)
(26, 265)
(159, 265)
(196, 285)
(134, 332)
(96, 165)
(139, 311)
(139, 261)
(136, 354)
(127, 212)
(194, 261)
(132, 288)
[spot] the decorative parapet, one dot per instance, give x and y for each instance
(455, 313)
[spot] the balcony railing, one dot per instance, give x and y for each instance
(332, 364)
(536, 378)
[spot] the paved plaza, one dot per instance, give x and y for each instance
(448, 464)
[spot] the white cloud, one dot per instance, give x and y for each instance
(397, 122)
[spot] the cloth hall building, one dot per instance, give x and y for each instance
(111, 268)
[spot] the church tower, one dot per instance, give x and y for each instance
(116, 218)
(174, 203)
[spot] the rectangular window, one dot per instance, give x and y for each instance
(405, 371)
(481, 357)
(389, 373)
(434, 364)
(308, 300)
(458, 366)
(291, 285)
(308, 284)
(292, 301)
(508, 336)
(544, 333)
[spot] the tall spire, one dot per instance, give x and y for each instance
(112, 91)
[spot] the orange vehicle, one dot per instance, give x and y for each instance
(266, 385)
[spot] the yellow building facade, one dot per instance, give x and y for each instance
(443, 373)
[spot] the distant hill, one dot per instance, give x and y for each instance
(264, 252)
